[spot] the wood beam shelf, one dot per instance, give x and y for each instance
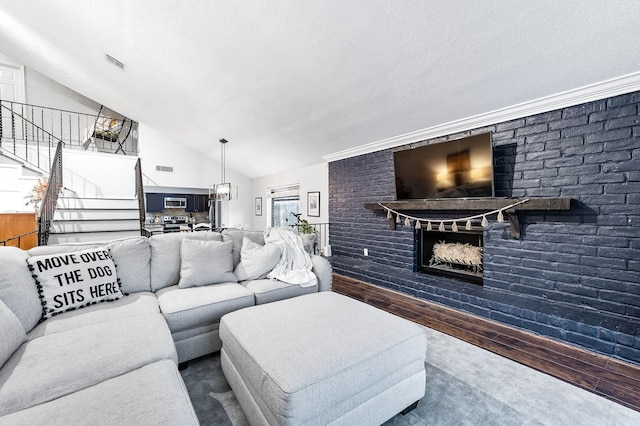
(477, 204)
(474, 204)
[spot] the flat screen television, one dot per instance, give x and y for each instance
(460, 168)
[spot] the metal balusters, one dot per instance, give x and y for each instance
(13, 128)
(140, 196)
(50, 199)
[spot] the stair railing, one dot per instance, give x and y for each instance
(140, 196)
(23, 122)
(50, 199)
(37, 147)
(17, 237)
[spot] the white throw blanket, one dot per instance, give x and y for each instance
(295, 264)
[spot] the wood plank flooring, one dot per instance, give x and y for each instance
(602, 375)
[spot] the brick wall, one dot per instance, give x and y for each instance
(573, 276)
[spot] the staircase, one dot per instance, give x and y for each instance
(92, 206)
(78, 220)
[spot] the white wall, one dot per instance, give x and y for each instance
(41, 90)
(310, 178)
(96, 175)
(192, 169)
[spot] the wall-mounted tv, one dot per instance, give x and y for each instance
(460, 168)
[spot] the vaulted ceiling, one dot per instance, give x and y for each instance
(288, 81)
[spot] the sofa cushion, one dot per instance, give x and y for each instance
(256, 260)
(122, 400)
(132, 257)
(64, 248)
(165, 259)
(186, 308)
(17, 289)
(66, 362)
(131, 305)
(205, 262)
(267, 291)
(237, 236)
(73, 280)
(11, 333)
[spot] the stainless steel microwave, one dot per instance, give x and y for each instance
(175, 203)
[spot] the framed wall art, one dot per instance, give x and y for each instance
(258, 206)
(313, 204)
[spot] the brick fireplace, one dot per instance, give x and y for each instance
(573, 275)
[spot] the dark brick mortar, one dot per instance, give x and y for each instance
(572, 276)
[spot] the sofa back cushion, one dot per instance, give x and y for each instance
(11, 333)
(73, 280)
(165, 256)
(205, 262)
(132, 257)
(17, 288)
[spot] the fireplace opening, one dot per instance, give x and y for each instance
(451, 254)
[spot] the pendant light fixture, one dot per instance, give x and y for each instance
(223, 190)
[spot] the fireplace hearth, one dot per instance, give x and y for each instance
(451, 254)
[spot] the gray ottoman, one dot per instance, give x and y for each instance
(322, 359)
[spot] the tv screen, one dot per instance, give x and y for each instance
(460, 168)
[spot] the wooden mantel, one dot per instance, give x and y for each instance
(470, 204)
(477, 204)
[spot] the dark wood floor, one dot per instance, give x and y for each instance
(605, 376)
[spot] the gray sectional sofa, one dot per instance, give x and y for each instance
(117, 362)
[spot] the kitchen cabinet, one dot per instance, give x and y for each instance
(155, 203)
(196, 203)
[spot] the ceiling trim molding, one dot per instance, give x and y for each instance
(604, 89)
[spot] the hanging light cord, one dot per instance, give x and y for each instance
(454, 226)
(222, 157)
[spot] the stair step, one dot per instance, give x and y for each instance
(73, 226)
(95, 214)
(97, 203)
(85, 237)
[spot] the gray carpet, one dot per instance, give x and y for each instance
(466, 385)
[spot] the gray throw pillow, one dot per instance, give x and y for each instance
(205, 262)
(11, 333)
(165, 262)
(308, 241)
(256, 261)
(237, 236)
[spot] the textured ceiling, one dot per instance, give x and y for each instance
(289, 81)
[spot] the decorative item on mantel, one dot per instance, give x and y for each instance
(509, 207)
(454, 222)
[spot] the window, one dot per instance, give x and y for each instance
(283, 209)
(285, 202)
